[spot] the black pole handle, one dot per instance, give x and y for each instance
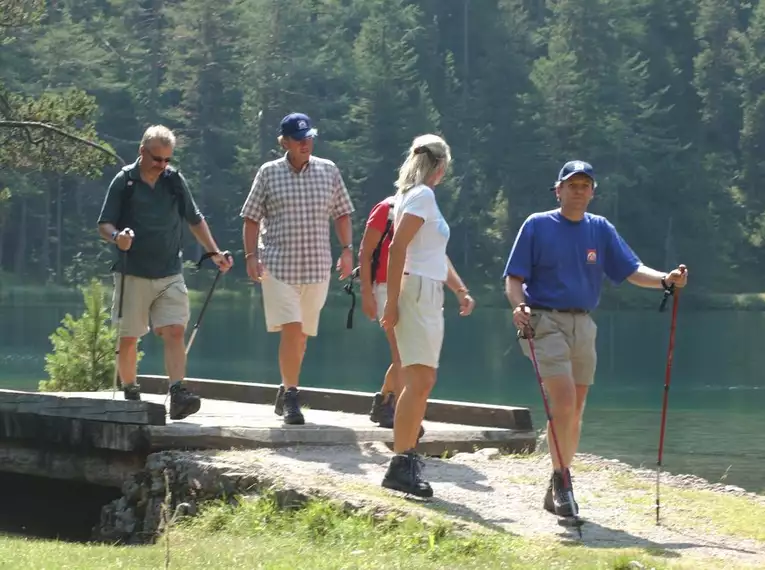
(348, 288)
(668, 292)
(209, 254)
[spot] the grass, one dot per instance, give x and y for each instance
(726, 514)
(321, 536)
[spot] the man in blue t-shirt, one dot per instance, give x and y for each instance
(553, 280)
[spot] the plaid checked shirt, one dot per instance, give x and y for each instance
(293, 208)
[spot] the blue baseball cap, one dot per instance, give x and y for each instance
(297, 126)
(573, 167)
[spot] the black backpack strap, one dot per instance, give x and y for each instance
(177, 190)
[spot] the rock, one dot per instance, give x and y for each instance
(489, 452)
(192, 478)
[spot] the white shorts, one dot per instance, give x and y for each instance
(285, 303)
(380, 291)
(420, 327)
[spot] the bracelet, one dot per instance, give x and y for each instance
(115, 233)
(462, 289)
(246, 255)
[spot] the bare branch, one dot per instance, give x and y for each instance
(27, 125)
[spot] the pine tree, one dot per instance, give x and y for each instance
(83, 349)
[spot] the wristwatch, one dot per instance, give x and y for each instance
(349, 246)
(115, 233)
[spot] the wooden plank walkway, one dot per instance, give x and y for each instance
(222, 424)
(101, 438)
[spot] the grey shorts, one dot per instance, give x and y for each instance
(564, 344)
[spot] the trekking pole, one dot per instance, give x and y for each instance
(123, 269)
(528, 334)
(667, 377)
(209, 295)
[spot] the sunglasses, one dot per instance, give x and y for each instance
(159, 158)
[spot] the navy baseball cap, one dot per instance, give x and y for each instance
(297, 126)
(575, 167)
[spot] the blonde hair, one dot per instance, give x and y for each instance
(160, 134)
(427, 155)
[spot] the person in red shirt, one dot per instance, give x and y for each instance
(373, 275)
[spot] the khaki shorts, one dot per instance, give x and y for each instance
(162, 302)
(286, 303)
(420, 327)
(380, 291)
(564, 344)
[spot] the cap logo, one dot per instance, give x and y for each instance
(578, 165)
(302, 125)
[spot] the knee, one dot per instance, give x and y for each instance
(562, 400)
(565, 408)
(128, 343)
(420, 380)
(292, 334)
(171, 333)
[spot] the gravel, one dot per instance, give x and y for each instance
(482, 489)
(505, 493)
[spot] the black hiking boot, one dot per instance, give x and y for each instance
(182, 402)
(557, 500)
(132, 392)
(405, 475)
(291, 408)
(383, 409)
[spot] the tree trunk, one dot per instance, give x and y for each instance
(20, 264)
(59, 228)
(45, 246)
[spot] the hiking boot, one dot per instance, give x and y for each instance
(557, 500)
(182, 402)
(132, 392)
(383, 409)
(405, 475)
(291, 408)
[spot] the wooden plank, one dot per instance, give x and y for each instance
(184, 435)
(110, 469)
(352, 402)
(73, 433)
(118, 410)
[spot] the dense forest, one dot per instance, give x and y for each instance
(666, 98)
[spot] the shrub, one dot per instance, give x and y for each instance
(83, 349)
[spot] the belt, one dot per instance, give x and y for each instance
(572, 311)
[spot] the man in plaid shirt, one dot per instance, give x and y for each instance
(287, 246)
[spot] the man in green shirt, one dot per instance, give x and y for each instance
(143, 213)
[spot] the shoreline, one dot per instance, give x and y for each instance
(476, 492)
(623, 299)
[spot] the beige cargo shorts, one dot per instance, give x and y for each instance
(161, 302)
(564, 344)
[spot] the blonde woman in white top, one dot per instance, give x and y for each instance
(418, 267)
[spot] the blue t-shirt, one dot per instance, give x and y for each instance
(563, 263)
